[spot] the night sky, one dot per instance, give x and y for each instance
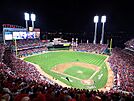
(70, 15)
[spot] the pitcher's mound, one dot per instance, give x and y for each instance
(80, 72)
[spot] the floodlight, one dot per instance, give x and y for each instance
(33, 17)
(103, 19)
(96, 19)
(26, 16)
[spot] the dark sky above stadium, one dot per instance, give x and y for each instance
(70, 15)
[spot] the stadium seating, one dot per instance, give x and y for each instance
(122, 65)
(21, 81)
(89, 47)
(2, 49)
(27, 47)
(130, 44)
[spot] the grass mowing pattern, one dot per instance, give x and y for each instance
(101, 77)
(75, 71)
(48, 60)
(62, 78)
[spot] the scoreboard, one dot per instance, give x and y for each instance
(19, 33)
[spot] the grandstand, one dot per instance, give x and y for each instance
(21, 81)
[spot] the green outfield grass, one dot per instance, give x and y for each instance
(79, 72)
(48, 60)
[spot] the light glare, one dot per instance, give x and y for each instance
(26, 16)
(33, 17)
(96, 19)
(103, 19)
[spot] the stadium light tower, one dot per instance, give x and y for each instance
(26, 18)
(103, 20)
(96, 19)
(33, 17)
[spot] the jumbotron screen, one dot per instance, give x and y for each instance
(23, 35)
(30, 35)
(19, 35)
(8, 35)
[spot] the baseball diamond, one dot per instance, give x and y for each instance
(83, 70)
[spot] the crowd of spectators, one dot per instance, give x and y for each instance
(2, 49)
(90, 47)
(27, 52)
(27, 47)
(21, 81)
(21, 68)
(122, 65)
(25, 44)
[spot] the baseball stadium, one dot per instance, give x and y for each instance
(59, 69)
(67, 66)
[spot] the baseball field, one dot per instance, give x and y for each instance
(76, 69)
